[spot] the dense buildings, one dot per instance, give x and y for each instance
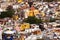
(29, 20)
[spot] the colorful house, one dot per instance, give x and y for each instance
(19, 1)
(24, 26)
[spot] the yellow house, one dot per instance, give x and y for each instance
(15, 17)
(31, 13)
(36, 12)
(27, 25)
(24, 26)
(19, 1)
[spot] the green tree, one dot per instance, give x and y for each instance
(32, 20)
(8, 13)
(3, 14)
